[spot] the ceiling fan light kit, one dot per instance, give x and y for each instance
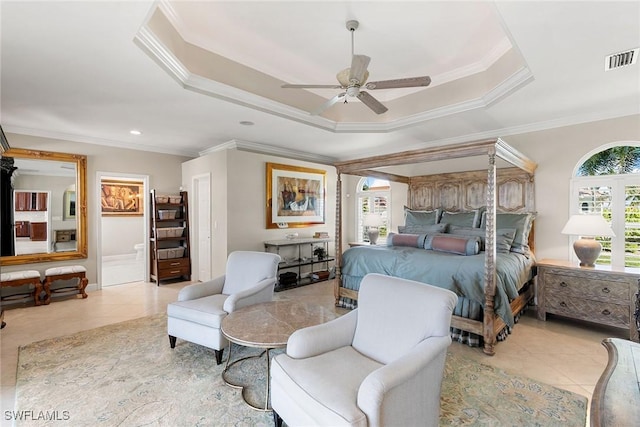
(354, 78)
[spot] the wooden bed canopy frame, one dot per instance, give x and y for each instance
(512, 192)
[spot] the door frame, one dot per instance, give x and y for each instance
(196, 219)
(100, 175)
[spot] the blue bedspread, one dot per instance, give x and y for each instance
(463, 275)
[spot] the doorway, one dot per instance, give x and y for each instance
(122, 228)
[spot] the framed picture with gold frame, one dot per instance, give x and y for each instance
(295, 196)
(121, 198)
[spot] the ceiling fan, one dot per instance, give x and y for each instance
(354, 78)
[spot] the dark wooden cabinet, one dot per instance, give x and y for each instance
(22, 229)
(38, 231)
(169, 237)
(30, 201)
(23, 201)
(41, 202)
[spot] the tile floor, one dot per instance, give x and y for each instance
(560, 352)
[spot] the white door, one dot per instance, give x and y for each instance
(202, 193)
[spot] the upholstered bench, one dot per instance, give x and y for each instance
(77, 273)
(22, 278)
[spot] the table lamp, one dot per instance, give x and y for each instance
(587, 226)
(372, 222)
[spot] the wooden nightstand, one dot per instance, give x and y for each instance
(601, 294)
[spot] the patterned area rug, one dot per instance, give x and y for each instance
(127, 375)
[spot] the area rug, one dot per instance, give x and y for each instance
(127, 375)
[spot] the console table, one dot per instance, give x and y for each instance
(616, 398)
(302, 255)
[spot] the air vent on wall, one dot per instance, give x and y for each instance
(621, 59)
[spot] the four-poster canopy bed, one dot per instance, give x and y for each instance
(494, 191)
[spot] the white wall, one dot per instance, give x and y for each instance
(248, 205)
(216, 165)
(557, 152)
(121, 233)
(239, 201)
(238, 196)
(164, 172)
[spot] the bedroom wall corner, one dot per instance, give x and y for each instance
(246, 182)
(214, 164)
(557, 152)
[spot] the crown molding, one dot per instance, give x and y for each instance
(504, 133)
(163, 56)
(172, 65)
(514, 82)
(255, 147)
(299, 155)
(477, 67)
(97, 141)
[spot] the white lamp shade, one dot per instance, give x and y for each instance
(588, 226)
(372, 220)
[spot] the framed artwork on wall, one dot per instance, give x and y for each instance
(295, 196)
(121, 198)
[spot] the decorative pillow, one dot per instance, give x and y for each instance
(462, 219)
(504, 236)
(412, 240)
(453, 244)
(423, 229)
(522, 224)
(416, 217)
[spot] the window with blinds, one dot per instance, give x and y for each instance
(373, 196)
(608, 183)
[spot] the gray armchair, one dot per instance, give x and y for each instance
(379, 365)
(197, 315)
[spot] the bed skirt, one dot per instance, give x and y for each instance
(465, 308)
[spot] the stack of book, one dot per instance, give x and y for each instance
(321, 235)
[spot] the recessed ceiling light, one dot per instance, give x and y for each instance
(135, 132)
(247, 123)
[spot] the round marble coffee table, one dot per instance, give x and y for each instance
(268, 325)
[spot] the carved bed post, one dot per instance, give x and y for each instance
(490, 257)
(338, 244)
(636, 313)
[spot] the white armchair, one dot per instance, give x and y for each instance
(379, 365)
(197, 315)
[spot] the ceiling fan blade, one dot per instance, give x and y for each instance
(408, 82)
(290, 86)
(329, 103)
(372, 103)
(359, 64)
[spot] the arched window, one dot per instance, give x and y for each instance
(373, 196)
(608, 182)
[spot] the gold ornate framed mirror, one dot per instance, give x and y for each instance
(39, 200)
